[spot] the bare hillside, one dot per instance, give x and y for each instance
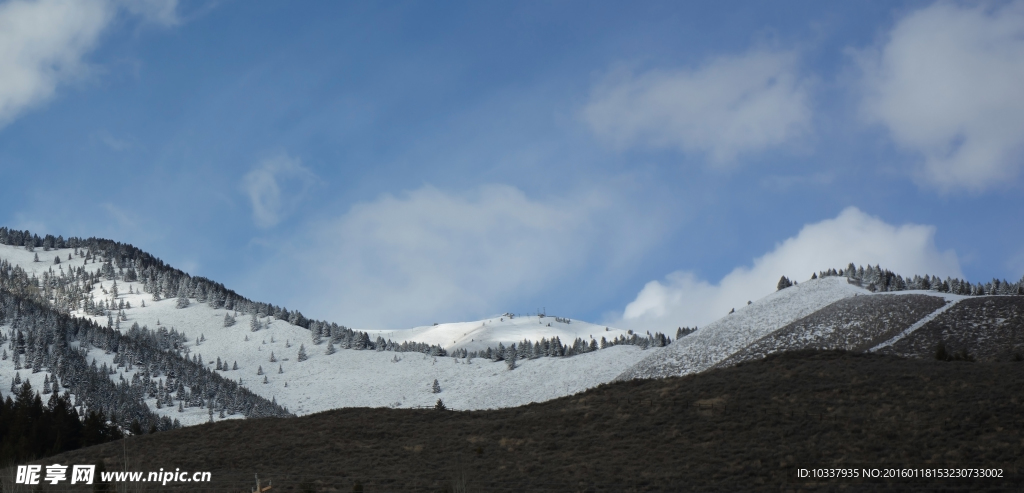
(991, 328)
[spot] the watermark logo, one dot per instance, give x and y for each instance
(86, 474)
(55, 473)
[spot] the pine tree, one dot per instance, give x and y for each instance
(330, 346)
(439, 405)
(302, 353)
(784, 283)
(182, 297)
(260, 371)
(280, 369)
(436, 388)
(272, 358)
(235, 366)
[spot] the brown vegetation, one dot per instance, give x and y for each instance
(741, 428)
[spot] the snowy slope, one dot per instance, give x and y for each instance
(850, 324)
(25, 259)
(720, 339)
(479, 335)
(349, 377)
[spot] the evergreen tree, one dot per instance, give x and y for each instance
(302, 353)
(182, 297)
(436, 388)
(784, 283)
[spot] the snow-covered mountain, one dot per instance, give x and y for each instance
(149, 325)
(504, 329)
(262, 352)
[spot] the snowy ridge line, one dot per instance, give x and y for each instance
(917, 325)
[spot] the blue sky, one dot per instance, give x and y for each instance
(648, 164)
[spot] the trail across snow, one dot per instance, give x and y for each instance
(950, 301)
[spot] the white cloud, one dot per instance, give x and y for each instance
(428, 255)
(948, 83)
(684, 300)
(41, 44)
(275, 188)
(730, 106)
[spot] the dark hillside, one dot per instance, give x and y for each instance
(990, 328)
(741, 428)
(852, 324)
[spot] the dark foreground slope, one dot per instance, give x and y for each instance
(740, 428)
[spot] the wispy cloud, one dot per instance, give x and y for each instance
(111, 142)
(42, 43)
(275, 188)
(731, 106)
(683, 299)
(427, 255)
(125, 218)
(948, 83)
(162, 12)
